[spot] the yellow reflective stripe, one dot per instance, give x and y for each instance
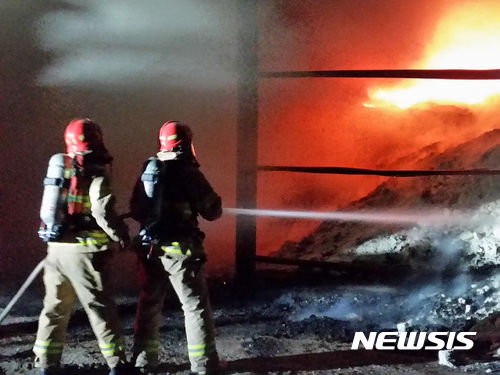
(48, 343)
(110, 348)
(197, 354)
(98, 234)
(88, 238)
(107, 346)
(92, 241)
(171, 250)
(174, 250)
(171, 137)
(112, 345)
(196, 347)
(48, 347)
(107, 349)
(200, 350)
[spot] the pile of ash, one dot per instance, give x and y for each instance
(455, 303)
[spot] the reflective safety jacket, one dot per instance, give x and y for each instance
(91, 221)
(186, 193)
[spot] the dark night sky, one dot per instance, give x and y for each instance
(132, 65)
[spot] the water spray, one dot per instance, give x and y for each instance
(433, 218)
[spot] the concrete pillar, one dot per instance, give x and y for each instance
(246, 193)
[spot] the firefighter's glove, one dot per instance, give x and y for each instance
(50, 234)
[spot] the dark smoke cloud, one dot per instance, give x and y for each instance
(155, 43)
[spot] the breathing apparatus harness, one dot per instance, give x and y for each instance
(153, 180)
(153, 188)
(63, 204)
(53, 209)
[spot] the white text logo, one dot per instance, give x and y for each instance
(413, 340)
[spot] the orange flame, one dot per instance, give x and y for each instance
(466, 38)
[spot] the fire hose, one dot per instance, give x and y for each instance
(21, 290)
(408, 218)
(32, 276)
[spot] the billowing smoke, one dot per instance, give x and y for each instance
(127, 43)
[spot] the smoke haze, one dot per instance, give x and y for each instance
(158, 44)
(131, 66)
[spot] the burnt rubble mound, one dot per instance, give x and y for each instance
(452, 278)
(471, 241)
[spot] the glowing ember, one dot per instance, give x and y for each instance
(467, 38)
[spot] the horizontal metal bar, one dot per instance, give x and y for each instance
(389, 73)
(332, 266)
(299, 262)
(368, 268)
(375, 172)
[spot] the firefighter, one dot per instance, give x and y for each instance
(167, 199)
(78, 254)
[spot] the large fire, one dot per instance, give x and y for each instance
(468, 37)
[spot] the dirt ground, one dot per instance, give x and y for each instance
(257, 333)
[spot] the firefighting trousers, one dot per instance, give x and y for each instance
(188, 280)
(68, 275)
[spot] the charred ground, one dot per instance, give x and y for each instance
(420, 278)
(282, 326)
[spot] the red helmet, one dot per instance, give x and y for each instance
(175, 134)
(83, 136)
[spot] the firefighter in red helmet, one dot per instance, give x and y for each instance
(167, 199)
(79, 222)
